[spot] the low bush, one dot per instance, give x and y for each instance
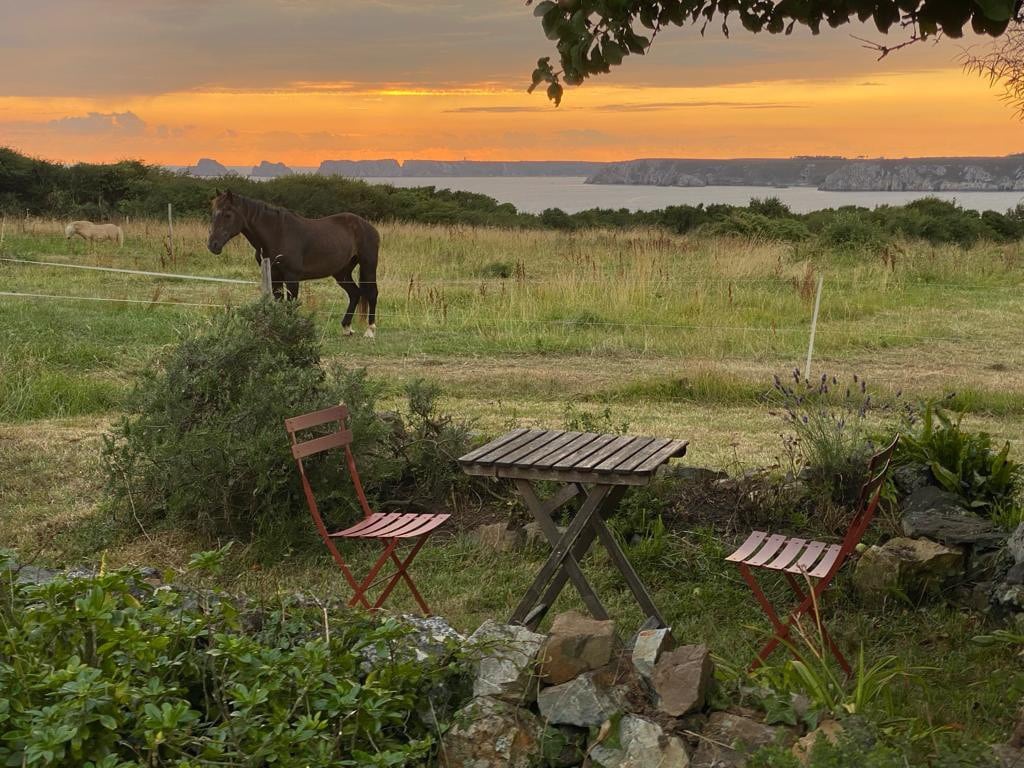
(962, 462)
(204, 446)
(110, 672)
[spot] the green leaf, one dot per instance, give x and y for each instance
(613, 53)
(996, 10)
(555, 93)
(541, 8)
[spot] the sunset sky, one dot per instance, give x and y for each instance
(300, 81)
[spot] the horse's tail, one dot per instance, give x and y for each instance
(367, 248)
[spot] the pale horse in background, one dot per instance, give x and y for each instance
(93, 232)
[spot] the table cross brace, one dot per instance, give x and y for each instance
(569, 548)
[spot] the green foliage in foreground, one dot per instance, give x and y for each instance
(130, 188)
(109, 672)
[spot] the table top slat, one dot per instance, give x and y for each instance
(574, 458)
(488, 447)
(540, 454)
(638, 458)
(516, 456)
(511, 445)
(555, 456)
(625, 452)
(675, 448)
(598, 456)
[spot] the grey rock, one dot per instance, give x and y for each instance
(586, 701)
(909, 478)
(534, 536)
(639, 744)
(430, 638)
(912, 567)
(576, 644)
(648, 647)
(1007, 756)
(506, 660)
(1015, 575)
(681, 679)
(497, 536)
(489, 733)
(1016, 544)
(1009, 597)
(935, 514)
(563, 746)
(729, 739)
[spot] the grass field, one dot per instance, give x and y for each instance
(677, 336)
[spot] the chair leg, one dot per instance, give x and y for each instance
(402, 573)
(813, 609)
(781, 629)
(360, 596)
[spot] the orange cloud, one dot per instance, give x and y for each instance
(936, 112)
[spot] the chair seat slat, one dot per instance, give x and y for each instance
(788, 554)
(767, 552)
(746, 549)
(825, 564)
(808, 559)
(371, 523)
(418, 527)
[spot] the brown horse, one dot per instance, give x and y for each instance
(304, 249)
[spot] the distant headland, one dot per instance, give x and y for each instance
(828, 173)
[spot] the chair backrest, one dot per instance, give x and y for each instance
(341, 437)
(870, 495)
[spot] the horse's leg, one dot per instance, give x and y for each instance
(277, 283)
(368, 291)
(345, 280)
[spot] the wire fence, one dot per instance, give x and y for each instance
(468, 320)
(999, 281)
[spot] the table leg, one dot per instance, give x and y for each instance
(542, 511)
(564, 548)
(618, 557)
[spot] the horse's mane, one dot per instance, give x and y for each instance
(261, 205)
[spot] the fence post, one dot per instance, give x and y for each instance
(266, 285)
(814, 327)
(3, 231)
(170, 230)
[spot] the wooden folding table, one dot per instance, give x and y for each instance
(598, 467)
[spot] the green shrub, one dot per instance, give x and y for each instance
(852, 231)
(746, 223)
(111, 672)
(204, 445)
(962, 462)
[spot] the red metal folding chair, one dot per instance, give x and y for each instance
(816, 562)
(389, 528)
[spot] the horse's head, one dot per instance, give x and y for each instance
(70, 229)
(227, 221)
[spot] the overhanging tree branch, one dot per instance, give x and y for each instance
(592, 36)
